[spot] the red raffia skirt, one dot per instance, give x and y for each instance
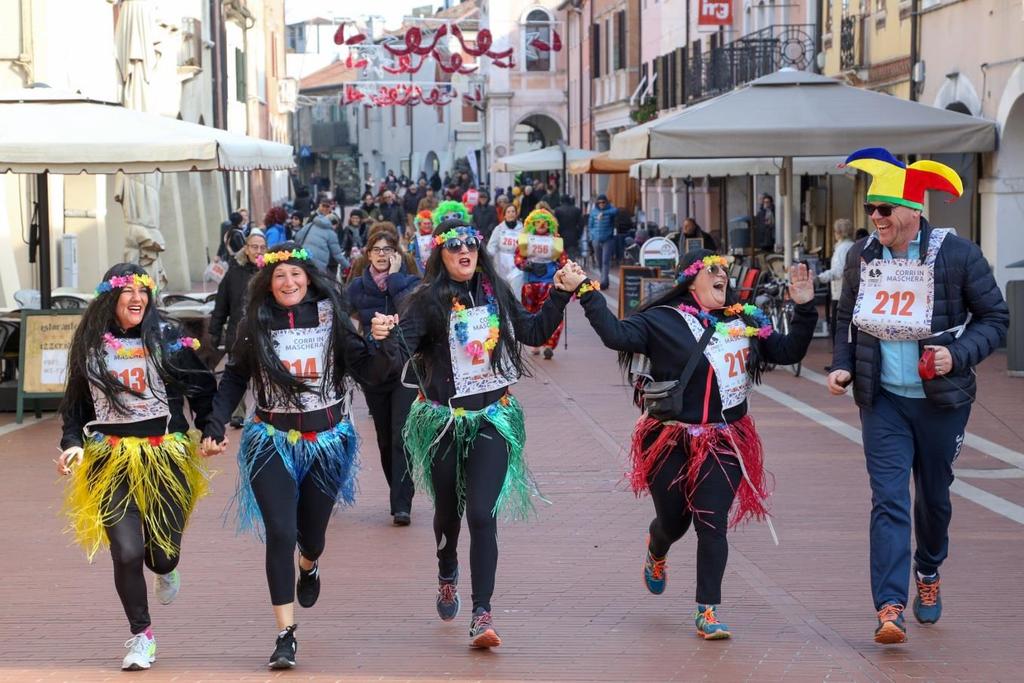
(534, 296)
(653, 440)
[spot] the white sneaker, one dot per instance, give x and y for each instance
(141, 653)
(167, 586)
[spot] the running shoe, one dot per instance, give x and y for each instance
(285, 649)
(655, 571)
(448, 601)
(891, 627)
(708, 626)
(307, 588)
(927, 605)
(141, 652)
(167, 586)
(481, 630)
(548, 353)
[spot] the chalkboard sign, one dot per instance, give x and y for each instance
(693, 243)
(43, 362)
(630, 281)
(653, 287)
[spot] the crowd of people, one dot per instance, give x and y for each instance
(432, 305)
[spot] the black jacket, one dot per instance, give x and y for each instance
(484, 219)
(663, 336)
(367, 298)
(392, 213)
(229, 306)
(434, 357)
(353, 359)
(193, 373)
(569, 219)
(963, 284)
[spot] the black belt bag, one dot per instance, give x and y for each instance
(664, 400)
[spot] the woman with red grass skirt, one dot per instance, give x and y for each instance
(705, 455)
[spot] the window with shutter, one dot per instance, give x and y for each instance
(240, 86)
(595, 55)
(620, 40)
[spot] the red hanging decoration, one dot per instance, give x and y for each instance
(455, 66)
(405, 66)
(484, 42)
(555, 46)
(339, 37)
(355, 63)
(413, 40)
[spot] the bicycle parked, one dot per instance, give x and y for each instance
(772, 299)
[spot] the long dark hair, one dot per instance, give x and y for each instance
(433, 298)
(87, 363)
(256, 326)
(680, 293)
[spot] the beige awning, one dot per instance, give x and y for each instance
(600, 164)
(719, 168)
(546, 159)
(45, 130)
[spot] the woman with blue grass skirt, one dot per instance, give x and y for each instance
(297, 460)
(460, 332)
(134, 469)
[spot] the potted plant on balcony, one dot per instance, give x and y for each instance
(647, 110)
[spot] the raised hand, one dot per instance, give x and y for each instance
(381, 325)
(801, 284)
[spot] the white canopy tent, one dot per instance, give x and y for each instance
(797, 114)
(49, 131)
(546, 159)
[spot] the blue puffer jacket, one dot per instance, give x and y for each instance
(963, 285)
(601, 223)
(366, 297)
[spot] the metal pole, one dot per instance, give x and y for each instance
(43, 201)
(788, 193)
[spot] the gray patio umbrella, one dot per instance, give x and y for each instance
(795, 114)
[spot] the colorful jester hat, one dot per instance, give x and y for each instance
(540, 216)
(448, 210)
(894, 182)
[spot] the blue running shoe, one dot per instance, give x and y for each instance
(928, 603)
(655, 572)
(892, 630)
(448, 601)
(708, 626)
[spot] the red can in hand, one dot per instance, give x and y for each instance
(926, 366)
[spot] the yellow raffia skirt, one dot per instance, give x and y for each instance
(150, 466)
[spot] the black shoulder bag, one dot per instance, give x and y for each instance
(664, 400)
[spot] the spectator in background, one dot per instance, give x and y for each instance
(320, 241)
(601, 232)
(303, 202)
(528, 202)
(570, 220)
(275, 229)
(229, 304)
(429, 201)
(484, 215)
(230, 243)
(411, 203)
(339, 197)
(764, 224)
(295, 222)
(390, 210)
(435, 182)
(246, 223)
(369, 207)
(353, 236)
(691, 231)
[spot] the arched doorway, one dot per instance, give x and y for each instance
(431, 164)
(535, 132)
(1002, 198)
(961, 214)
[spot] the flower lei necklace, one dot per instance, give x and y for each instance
(762, 331)
(119, 349)
(476, 348)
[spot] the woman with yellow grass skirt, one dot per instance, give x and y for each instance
(297, 459)
(135, 472)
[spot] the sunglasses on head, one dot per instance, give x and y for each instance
(455, 244)
(884, 210)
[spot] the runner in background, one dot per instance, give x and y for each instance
(135, 473)
(460, 332)
(919, 310)
(502, 246)
(539, 256)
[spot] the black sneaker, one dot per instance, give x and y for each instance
(448, 601)
(402, 519)
(284, 650)
(548, 353)
(236, 422)
(307, 588)
(481, 630)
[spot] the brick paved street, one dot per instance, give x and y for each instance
(569, 604)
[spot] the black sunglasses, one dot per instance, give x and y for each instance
(884, 210)
(455, 244)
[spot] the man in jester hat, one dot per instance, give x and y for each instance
(919, 309)
(539, 255)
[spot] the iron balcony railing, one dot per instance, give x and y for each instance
(745, 59)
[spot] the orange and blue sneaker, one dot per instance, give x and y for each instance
(448, 601)
(708, 625)
(927, 605)
(655, 572)
(891, 627)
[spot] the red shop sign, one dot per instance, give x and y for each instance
(715, 13)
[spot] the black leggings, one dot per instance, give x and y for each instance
(485, 475)
(131, 548)
(718, 480)
(289, 523)
(389, 411)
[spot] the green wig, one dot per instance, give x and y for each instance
(449, 210)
